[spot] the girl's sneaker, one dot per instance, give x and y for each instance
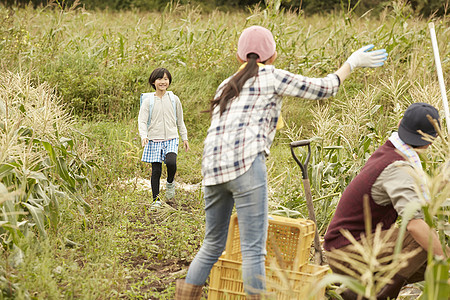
(156, 204)
(170, 190)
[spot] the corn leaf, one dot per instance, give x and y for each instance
(37, 212)
(5, 169)
(64, 172)
(348, 281)
(50, 151)
(436, 280)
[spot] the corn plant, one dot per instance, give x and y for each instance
(39, 164)
(436, 211)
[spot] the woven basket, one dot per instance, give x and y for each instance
(288, 241)
(226, 282)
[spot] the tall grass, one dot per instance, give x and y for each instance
(39, 160)
(42, 173)
(101, 61)
(96, 63)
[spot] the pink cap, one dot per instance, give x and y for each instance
(256, 39)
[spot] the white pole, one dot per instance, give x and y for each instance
(440, 76)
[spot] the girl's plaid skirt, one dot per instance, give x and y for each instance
(157, 151)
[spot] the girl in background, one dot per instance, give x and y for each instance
(160, 119)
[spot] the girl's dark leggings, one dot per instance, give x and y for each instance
(171, 164)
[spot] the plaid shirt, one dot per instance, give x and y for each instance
(247, 126)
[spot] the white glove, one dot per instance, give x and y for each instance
(362, 58)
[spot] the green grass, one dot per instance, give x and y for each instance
(121, 248)
(99, 63)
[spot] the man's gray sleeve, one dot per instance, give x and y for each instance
(396, 185)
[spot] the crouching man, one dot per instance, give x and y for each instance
(387, 182)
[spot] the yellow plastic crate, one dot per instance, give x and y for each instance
(226, 282)
(288, 239)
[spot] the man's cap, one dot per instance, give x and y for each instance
(256, 39)
(415, 119)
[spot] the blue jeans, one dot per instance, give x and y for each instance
(249, 193)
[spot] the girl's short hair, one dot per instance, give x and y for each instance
(158, 73)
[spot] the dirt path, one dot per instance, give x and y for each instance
(159, 243)
(153, 267)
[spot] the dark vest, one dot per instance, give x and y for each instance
(349, 212)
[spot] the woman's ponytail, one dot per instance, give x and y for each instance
(234, 86)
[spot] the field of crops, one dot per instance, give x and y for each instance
(75, 199)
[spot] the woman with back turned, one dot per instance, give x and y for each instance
(244, 114)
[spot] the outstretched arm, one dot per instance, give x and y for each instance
(362, 58)
(343, 72)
